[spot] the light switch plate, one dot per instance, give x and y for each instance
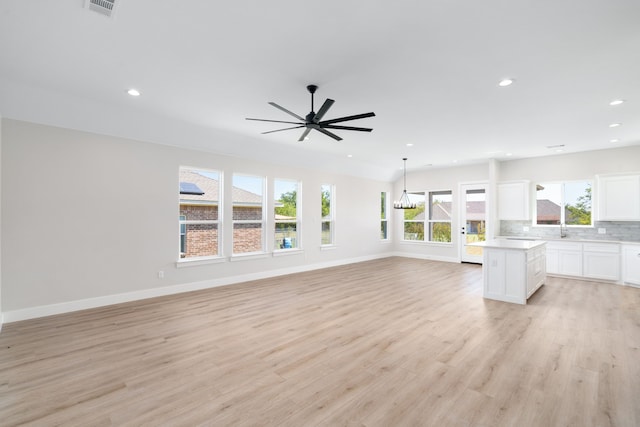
(602, 231)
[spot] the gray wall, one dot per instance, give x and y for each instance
(88, 216)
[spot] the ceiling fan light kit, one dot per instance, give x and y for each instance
(313, 120)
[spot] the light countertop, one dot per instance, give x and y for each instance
(510, 244)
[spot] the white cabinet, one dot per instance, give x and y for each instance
(513, 200)
(512, 270)
(601, 261)
(631, 264)
(618, 197)
(564, 258)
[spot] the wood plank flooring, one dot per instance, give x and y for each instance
(392, 342)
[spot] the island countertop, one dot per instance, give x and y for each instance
(510, 244)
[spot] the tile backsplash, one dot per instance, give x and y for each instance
(627, 231)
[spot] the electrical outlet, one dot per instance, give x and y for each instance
(602, 231)
(160, 274)
(525, 228)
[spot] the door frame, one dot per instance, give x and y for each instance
(462, 223)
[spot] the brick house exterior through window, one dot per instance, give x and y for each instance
(199, 219)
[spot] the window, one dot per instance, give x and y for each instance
(431, 226)
(328, 214)
(248, 214)
(199, 216)
(384, 207)
(287, 225)
(567, 203)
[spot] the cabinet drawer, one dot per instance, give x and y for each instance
(612, 248)
(564, 246)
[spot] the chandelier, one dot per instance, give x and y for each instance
(404, 202)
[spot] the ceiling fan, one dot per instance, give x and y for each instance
(314, 120)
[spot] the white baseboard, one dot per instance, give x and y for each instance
(70, 306)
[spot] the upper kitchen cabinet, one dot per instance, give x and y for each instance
(618, 197)
(513, 200)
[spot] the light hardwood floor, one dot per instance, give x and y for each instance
(393, 342)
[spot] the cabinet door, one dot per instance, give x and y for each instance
(619, 198)
(599, 265)
(552, 261)
(631, 261)
(513, 201)
(570, 263)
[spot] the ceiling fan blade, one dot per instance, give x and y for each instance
(279, 130)
(326, 132)
(345, 119)
(304, 134)
(274, 121)
(286, 111)
(347, 128)
(323, 110)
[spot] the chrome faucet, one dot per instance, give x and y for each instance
(563, 231)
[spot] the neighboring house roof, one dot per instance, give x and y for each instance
(210, 188)
(442, 212)
(546, 211)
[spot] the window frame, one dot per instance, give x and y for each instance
(263, 216)
(184, 223)
(384, 216)
(563, 223)
(330, 218)
(297, 221)
(425, 197)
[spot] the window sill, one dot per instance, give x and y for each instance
(285, 252)
(249, 256)
(328, 247)
(194, 262)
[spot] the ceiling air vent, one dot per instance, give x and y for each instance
(103, 7)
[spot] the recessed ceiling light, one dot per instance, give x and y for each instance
(349, 155)
(559, 150)
(409, 145)
(133, 92)
(506, 82)
(614, 125)
(616, 102)
(509, 154)
(614, 140)
(454, 161)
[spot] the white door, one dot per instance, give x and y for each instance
(473, 221)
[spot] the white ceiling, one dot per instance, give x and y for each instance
(428, 69)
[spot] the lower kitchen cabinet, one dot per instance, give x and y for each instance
(601, 261)
(631, 264)
(564, 258)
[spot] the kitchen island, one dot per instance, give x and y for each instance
(512, 269)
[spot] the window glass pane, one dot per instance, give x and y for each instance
(199, 194)
(383, 230)
(326, 233)
(440, 206)
(548, 203)
(383, 205)
(440, 231)
(564, 203)
(286, 199)
(286, 235)
(248, 201)
(418, 213)
(414, 231)
(327, 213)
(247, 197)
(201, 240)
(247, 237)
(577, 203)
